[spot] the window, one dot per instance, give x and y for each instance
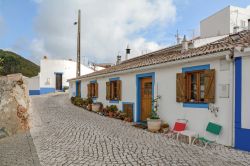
(242, 23)
(93, 90)
(113, 90)
(196, 86)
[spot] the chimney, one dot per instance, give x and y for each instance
(127, 52)
(118, 61)
(236, 29)
(248, 22)
(184, 44)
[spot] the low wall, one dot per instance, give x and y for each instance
(14, 104)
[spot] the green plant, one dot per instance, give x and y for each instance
(113, 108)
(154, 113)
(65, 88)
(89, 100)
(1, 65)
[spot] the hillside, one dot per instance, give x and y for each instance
(14, 63)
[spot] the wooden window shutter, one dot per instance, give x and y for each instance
(119, 89)
(181, 88)
(108, 90)
(89, 90)
(96, 89)
(209, 82)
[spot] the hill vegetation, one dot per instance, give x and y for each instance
(11, 63)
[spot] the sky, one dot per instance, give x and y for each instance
(35, 28)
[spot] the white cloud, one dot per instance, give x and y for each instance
(107, 27)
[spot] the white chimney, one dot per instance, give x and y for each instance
(184, 44)
(118, 61)
(127, 52)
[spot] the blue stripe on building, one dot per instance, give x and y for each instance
(34, 92)
(242, 136)
(47, 90)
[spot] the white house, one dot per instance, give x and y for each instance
(188, 81)
(225, 21)
(53, 76)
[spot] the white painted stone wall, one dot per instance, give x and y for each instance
(245, 110)
(68, 68)
(169, 109)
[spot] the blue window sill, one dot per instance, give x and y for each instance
(195, 105)
(113, 101)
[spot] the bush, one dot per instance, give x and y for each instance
(77, 101)
(65, 88)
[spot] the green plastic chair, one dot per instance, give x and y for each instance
(214, 130)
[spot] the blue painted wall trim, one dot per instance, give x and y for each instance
(47, 90)
(138, 93)
(133, 107)
(242, 136)
(114, 79)
(114, 101)
(77, 82)
(34, 92)
(195, 68)
(238, 84)
(195, 105)
(190, 69)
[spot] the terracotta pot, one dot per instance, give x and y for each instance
(111, 114)
(154, 124)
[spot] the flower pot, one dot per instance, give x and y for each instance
(111, 114)
(154, 124)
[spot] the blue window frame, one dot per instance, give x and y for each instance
(190, 69)
(110, 80)
(138, 93)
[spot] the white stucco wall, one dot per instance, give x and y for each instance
(68, 68)
(33, 83)
(169, 109)
(223, 21)
(245, 110)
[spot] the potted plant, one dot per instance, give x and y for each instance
(154, 122)
(112, 110)
(90, 102)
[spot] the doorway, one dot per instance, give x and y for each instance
(58, 81)
(145, 95)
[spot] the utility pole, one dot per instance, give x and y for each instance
(78, 62)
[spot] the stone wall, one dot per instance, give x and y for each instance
(14, 104)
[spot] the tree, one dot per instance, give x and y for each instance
(1, 65)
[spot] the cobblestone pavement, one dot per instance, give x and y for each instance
(64, 134)
(18, 150)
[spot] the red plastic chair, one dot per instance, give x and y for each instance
(179, 126)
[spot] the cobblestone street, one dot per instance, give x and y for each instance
(64, 134)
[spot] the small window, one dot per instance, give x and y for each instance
(196, 86)
(113, 90)
(93, 90)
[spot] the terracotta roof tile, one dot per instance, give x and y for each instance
(173, 54)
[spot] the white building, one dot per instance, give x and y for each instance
(222, 81)
(53, 76)
(224, 21)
